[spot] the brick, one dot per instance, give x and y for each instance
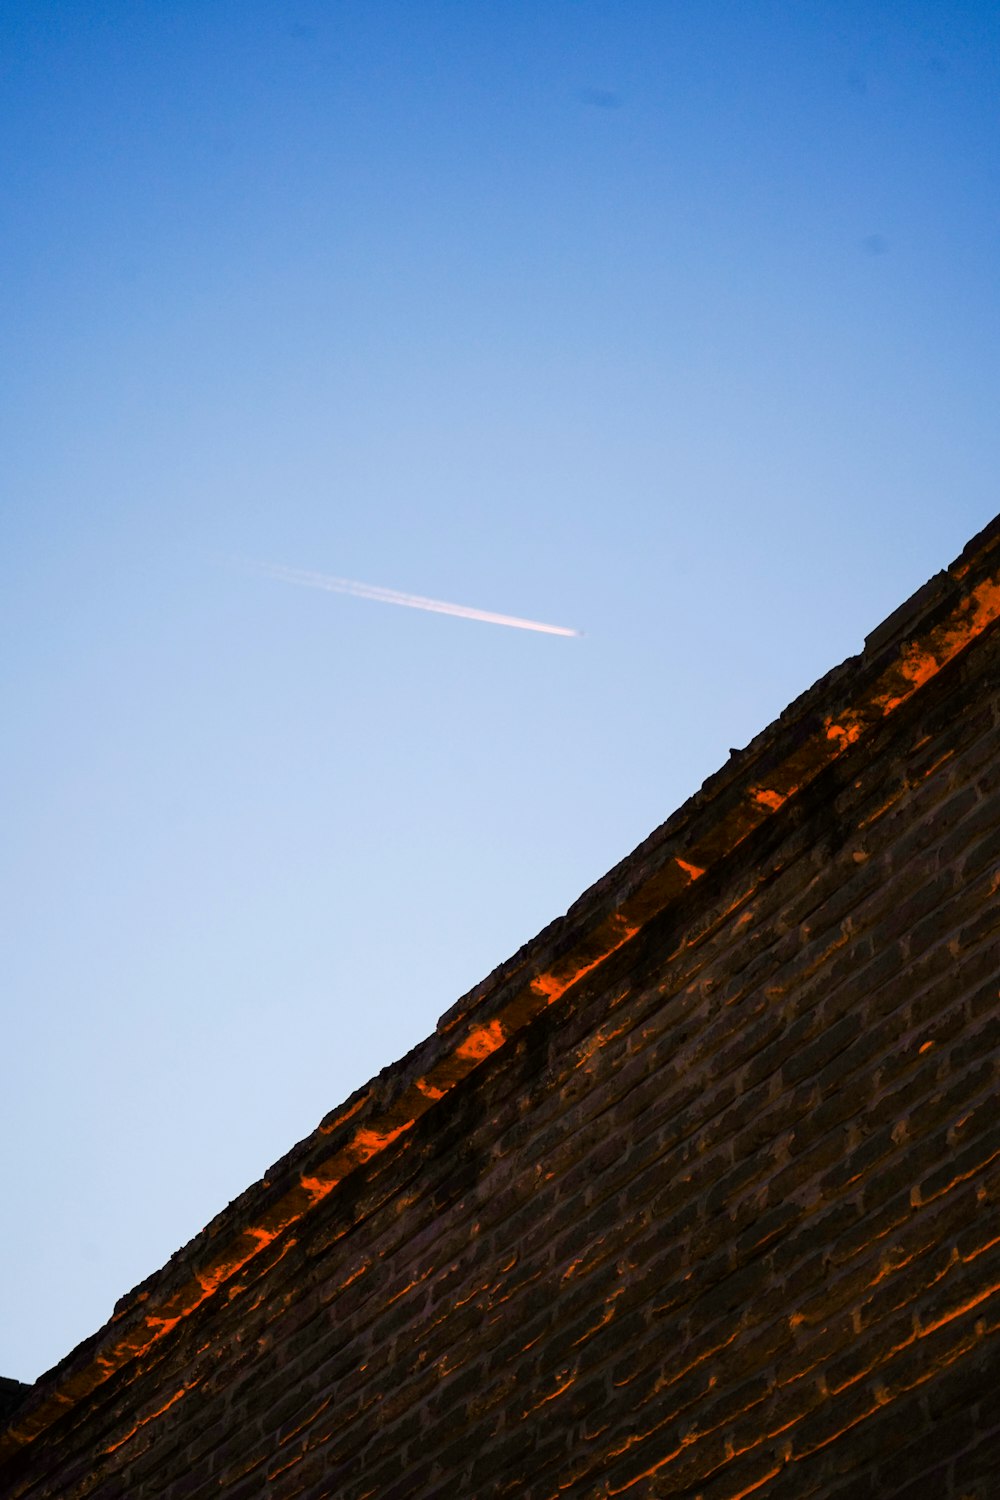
(983, 1043)
(718, 1222)
(975, 1471)
(811, 1059)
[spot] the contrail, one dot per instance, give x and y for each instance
(410, 601)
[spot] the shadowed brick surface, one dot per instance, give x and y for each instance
(720, 1220)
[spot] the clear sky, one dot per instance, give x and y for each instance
(671, 321)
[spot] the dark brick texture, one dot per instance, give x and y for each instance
(720, 1221)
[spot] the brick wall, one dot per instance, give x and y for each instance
(714, 1215)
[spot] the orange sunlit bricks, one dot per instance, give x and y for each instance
(318, 1187)
(553, 986)
(818, 1394)
(340, 1117)
(565, 1380)
(845, 733)
(171, 1401)
(758, 1484)
(482, 1041)
(654, 883)
(430, 1090)
(368, 1143)
(767, 798)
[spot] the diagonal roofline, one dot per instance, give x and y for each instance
(902, 654)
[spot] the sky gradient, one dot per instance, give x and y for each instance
(675, 324)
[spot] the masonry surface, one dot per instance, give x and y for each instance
(695, 1196)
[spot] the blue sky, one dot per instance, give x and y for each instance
(674, 323)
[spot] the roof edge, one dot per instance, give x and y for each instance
(906, 651)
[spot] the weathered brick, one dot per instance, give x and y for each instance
(975, 1471)
(811, 1059)
(718, 1222)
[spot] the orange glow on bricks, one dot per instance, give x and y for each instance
(161, 1325)
(369, 1143)
(319, 1187)
(918, 1199)
(768, 799)
(173, 1400)
(757, 1485)
(731, 808)
(845, 733)
(482, 1042)
(430, 1091)
(958, 1312)
(566, 1381)
(552, 987)
(341, 1116)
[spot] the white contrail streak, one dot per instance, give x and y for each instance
(410, 601)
